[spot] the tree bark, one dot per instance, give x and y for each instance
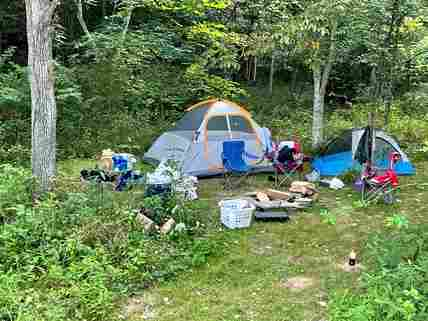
(391, 44)
(320, 87)
(318, 109)
(330, 61)
(373, 83)
(82, 22)
(43, 105)
(255, 69)
(271, 72)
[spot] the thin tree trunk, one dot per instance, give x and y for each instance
(248, 71)
(103, 8)
(391, 42)
(271, 72)
(318, 109)
(320, 87)
(330, 61)
(373, 83)
(43, 104)
(82, 22)
(127, 21)
(388, 97)
(294, 79)
(255, 69)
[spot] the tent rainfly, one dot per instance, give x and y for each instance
(340, 156)
(196, 141)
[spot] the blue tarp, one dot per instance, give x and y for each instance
(338, 164)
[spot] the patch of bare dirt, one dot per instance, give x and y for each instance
(138, 308)
(298, 283)
(295, 260)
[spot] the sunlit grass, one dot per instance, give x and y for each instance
(248, 282)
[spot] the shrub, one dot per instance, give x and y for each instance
(396, 290)
(18, 154)
(350, 176)
(15, 189)
(193, 215)
(72, 257)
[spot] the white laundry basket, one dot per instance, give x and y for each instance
(236, 213)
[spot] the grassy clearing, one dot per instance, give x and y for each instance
(249, 282)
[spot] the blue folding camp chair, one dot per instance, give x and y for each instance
(234, 163)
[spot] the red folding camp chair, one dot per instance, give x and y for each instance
(376, 185)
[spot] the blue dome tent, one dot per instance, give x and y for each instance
(339, 155)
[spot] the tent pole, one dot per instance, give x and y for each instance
(373, 137)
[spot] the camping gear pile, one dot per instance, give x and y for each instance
(275, 204)
(168, 177)
(114, 168)
(117, 169)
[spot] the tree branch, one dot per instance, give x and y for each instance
(83, 23)
(127, 21)
(52, 8)
(330, 59)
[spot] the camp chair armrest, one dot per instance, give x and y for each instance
(245, 156)
(223, 158)
(225, 161)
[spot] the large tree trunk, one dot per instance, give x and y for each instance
(43, 104)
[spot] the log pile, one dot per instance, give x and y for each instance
(300, 195)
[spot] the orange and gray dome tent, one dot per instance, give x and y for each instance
(196, 141)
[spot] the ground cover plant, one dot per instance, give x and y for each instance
(296, 270)
(396, 289)
(74, 254)
(81, 254)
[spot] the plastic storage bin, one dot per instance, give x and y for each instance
(236, 213)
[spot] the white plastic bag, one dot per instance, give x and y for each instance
(313, 176)
(336, 183)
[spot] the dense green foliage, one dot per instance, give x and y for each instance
(143, 62)
(75, 254)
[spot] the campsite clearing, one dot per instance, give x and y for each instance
(252, 279)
